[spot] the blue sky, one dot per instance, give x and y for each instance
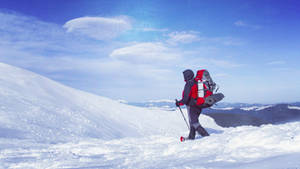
(136, 49)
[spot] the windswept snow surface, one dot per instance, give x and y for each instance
(267, 147)
(44, 124)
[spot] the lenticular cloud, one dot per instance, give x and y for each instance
(100, 28)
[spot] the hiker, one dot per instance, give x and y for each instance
(198, 94)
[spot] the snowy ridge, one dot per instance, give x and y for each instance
(32, 106)
(263, 107)
(294, 107)
(249, 108)
(223, 108)
(256, 108)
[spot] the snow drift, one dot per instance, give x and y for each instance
(34, 107)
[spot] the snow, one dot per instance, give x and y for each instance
(294, 107)
(263, 107)
(266, 147)
(123, 101)
(44, 124)
(48, 111)
(162, 100)
(249, 108)
(225, 108)
(256, 108)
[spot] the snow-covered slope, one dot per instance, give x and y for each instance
(90, 131)
(32, 106)
(246, 147)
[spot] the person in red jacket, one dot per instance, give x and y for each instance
(193, 110)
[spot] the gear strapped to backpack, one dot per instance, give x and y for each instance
(204, 91)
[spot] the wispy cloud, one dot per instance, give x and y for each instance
(31, 35)
(154, 30)
(45, 47)
(212, 62)
(189, 37)
(183, 37)
(240, 23)
(151, 52)
(224, 63)
(100, 28)
(276, 62)
(227, 41)
(221, 75)
(50, 50)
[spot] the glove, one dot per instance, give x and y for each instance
(177, 103)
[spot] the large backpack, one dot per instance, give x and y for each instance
(204, 91)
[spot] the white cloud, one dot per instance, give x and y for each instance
(154, 30)
(182, 37)
(277, 62)
(145, 53)
(230, 41)
(45, 47)
(100, 28)
(30, 35)
(210, 63)
(82, 62)
(223, 63)
(240, 23)
(221, 75)
(186, 37)
(227, 41)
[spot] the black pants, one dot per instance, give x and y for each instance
(194, 113)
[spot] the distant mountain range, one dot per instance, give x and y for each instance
(161, 104)
(255, 115)
(238, 114)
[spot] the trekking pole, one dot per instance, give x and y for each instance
(183, 116)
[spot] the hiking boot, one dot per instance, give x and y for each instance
(192, 133)
(202, 131)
